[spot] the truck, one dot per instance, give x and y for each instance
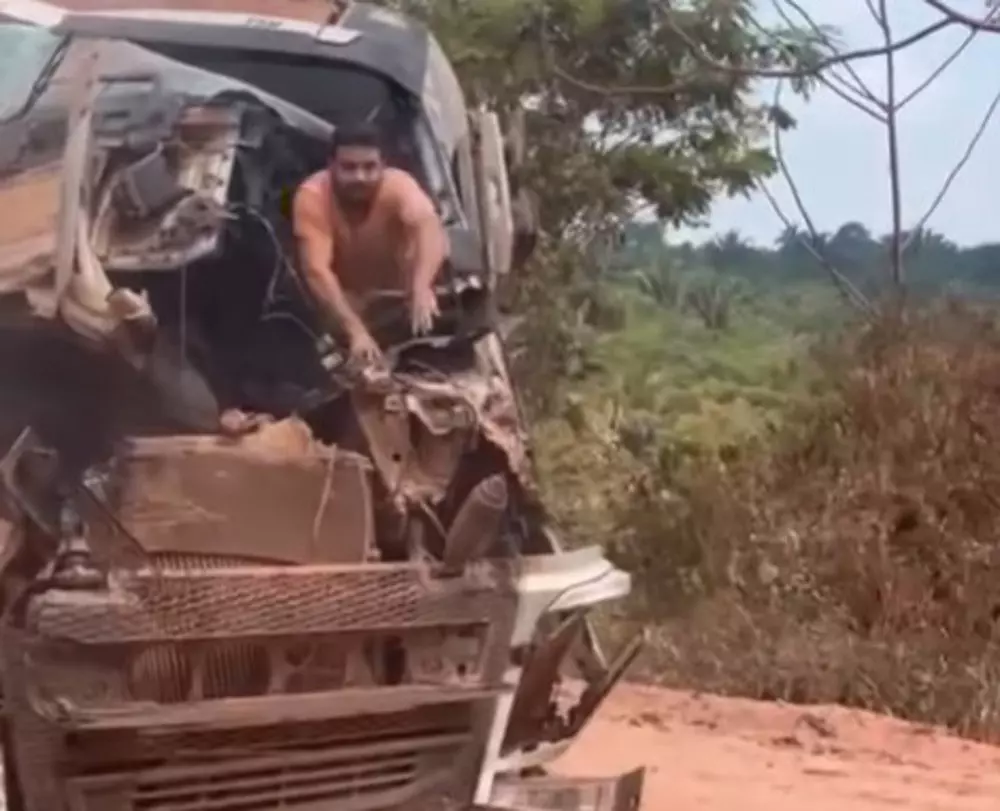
(355, 601)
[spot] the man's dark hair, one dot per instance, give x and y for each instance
(359, 134)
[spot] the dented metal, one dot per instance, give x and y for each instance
(239, 573)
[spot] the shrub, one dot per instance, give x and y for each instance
(853, 556)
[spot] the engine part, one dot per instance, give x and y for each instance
(147, 188)
(73, 568)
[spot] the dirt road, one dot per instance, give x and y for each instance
(711, 754)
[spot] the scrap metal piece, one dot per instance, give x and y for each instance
(250, 602)
(76, 181)
(621, 793)
(599, 690)
(532, 716)
(233, 713)
(385, 425)
(147, 187)
(24, 495)
(73, 566)
(272, 495)
(478, 523)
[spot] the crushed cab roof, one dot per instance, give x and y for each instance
(392, 45)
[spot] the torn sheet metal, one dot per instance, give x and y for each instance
(621, 793)
(454, 413)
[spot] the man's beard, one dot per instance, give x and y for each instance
(358, 198)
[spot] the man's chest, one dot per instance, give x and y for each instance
(373, 235)
(367, 254)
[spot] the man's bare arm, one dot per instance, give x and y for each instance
(316, 254)
(424, 232)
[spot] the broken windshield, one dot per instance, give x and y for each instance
(25, 54)
(334, 91)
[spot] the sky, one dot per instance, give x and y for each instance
(837, 155)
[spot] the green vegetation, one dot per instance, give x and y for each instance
(807, 499)
(934, 264)
(620, 113)
(684, 362)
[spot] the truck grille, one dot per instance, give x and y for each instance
(245, 787)
(358, 777)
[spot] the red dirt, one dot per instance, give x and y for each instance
(706, 753)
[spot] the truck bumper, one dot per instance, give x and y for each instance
(622, 793)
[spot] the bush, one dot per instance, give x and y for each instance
(853, 556)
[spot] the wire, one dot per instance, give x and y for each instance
(281, 260)
(184, 312)
(283, 316)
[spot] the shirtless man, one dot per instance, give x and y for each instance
(363, 227)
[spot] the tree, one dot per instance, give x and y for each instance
(885, 110)
(621, 117)
(936, 265)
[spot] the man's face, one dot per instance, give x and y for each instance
(357, 172)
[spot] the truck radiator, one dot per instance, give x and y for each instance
(164, 673)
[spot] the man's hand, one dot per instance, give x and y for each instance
(234, 423)
(423, 309)
(364, 348)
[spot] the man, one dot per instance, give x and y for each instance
(363, 227)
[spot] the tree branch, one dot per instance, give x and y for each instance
(956, 169)
(859, 86)
(920, 88)
(846, 287)
(697, 78)
(957, 17)
(881, 15)
(899, 245)
(835, 83)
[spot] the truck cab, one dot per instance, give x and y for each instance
(360, 606)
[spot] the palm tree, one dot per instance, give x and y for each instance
(852, 247)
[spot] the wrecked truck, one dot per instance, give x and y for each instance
(359, 604)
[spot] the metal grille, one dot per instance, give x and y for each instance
(201, 628)
(375, 774)
(298, 781)
(175, 605)
(162, 673)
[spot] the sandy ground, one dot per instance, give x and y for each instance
(706, 753)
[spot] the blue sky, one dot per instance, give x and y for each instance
(838, 156)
